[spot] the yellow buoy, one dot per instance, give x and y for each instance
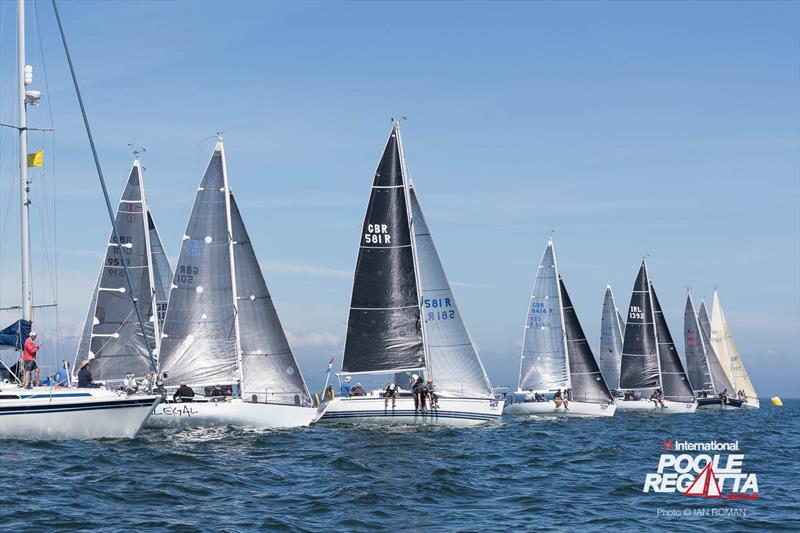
(776, 401)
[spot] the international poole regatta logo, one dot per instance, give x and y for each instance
(713, 470)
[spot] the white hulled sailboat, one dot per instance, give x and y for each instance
(221, 333)
(555, 354)
(404, 318)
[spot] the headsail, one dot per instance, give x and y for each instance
(269, 369)
(199, 340)
(702, 317)
(111, 334)
(639, 368)
(162, 271)
(718, 376)
(674, 383)
(696, 360)
(610, 356)
(725, 348)
(543, 365)
(453, 362)
(384, 332)
(587, 382)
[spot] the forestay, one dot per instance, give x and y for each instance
(384, 333)
(586, 379)
(269, 369)
(674, 383)
(111, 333)
(199, 341)
(639, 368)
(544, 365)
(453, 362)
(610, 355)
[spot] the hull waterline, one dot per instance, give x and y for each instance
(548, 408)
(671, 408)
(370, 410)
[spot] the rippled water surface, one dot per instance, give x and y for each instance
(525, 474)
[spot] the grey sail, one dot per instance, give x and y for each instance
(453, 362)
(269, 369)
(111, 334)
(544, 361)
(674, 383)
(696, 360)
(199, 338)
(639, 368)
(621, 323)
(162, 271)
(702, 317)
(586, 379)
(384, 332)
(610, 356)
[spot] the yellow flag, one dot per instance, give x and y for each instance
(36, 159)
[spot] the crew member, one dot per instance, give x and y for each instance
(29, 350)
(184, 393)
(390, 392)
(558, 399)
(344, 390)
(85, 380)
(433, 399)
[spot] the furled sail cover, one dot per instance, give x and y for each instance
(587, 382)
(199, 339)
(162, 272)
(454, 364)
(639, 367)
(15, 335)
(725, 348)
(674, 382)
(112, 333)
(610, 355)
(544, 360)
(269, 369)
(696, 361)
(383, 331)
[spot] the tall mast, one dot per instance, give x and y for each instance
(27, 297)
(149, 257)
(655, 327)
(412, 231)
(232, 260)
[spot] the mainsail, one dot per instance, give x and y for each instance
(268, 365)
(453, 362)
(674, 383)
(384, 330)
(696, 358)
(639, 368)
(543, 365)
(199, 341)
(725, 348)
(610, 355)
(111, 333)
(586, 379)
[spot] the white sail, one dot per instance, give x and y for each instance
(611, 337)
(543, 365)
(725, 348)
(453, 361)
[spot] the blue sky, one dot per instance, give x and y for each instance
(669, 129)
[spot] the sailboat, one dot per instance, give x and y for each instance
(611, 335)
(221, 333)
(55, 412)
(704, 369)
(650, 361)
(111, 335)
(404, 319)
(556, 355)
(732, 364)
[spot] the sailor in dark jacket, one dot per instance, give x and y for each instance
(184, 393)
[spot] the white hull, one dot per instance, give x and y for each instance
(458, 412)
(671, 408)
(229, 413)
(751, 403)
(58, 413)
(548, 408)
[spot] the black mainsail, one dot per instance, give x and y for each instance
(384, 331)
(674, 383)
(639, 368)
(586, 379)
